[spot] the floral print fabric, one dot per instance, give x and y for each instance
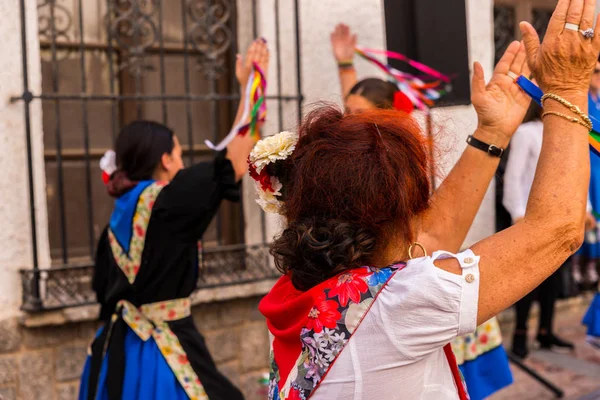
(330, 323)
(130, 263)
(487, 337)
(150, 320)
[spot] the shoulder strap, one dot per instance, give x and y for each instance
(130, 263)
(461, 385)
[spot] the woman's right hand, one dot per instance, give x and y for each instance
(343, 43)
(564, 62)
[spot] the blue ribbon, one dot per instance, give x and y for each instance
(536, 94)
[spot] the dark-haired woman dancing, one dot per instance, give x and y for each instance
(147, 264)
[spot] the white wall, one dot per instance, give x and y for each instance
(15, 233)
(318, 18)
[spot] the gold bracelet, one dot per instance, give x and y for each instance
(568, 118)
(569, 105)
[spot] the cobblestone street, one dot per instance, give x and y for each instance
(576, 373)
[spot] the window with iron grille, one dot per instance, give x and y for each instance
(106, 63)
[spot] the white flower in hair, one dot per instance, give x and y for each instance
(268, 151)
(268, 201)
(272, 149)
(108, 162)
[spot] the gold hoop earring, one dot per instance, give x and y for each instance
(417, 244)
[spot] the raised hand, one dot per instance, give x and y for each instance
(564, 62)
(343, 43)
(501, 105)
(258, 52)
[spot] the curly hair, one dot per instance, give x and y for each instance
(352, 181)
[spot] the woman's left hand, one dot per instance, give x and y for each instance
(501, 105)
(258, 53)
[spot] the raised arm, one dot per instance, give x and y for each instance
(239, 149)
(515, 261)
(501, 107)
(343, 43)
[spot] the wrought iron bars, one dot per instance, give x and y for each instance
(134, 31)
(210, 34)
(72, 286)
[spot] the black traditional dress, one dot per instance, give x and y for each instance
(146, 269)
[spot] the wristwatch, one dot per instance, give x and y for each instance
(491, 149)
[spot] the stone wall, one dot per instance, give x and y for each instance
(45, 363)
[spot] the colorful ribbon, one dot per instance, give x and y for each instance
(415, 64)
(255, 109)
(422, 94)
(536, 94)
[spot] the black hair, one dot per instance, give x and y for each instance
(139, 148)
(377, 91)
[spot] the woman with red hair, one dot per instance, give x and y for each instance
(480, 355)
(364, 309)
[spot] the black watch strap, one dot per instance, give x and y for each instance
(491, 149)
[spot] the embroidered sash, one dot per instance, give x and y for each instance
(150, 321)
(338, 311)
(130, 262)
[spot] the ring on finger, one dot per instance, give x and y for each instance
(512, 75)
(588, 33)
(572, 27)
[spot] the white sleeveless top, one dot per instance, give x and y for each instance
(397, 351)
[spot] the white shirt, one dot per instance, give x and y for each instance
(397, 351)
(525, 149)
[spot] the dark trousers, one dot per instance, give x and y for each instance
(546, 295)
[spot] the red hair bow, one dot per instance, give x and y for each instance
(403, 103)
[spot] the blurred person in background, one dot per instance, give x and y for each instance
(586, 260)
(592, 317)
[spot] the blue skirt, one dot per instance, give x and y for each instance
(147, 374)
(592, 250)
(592, 317)
(487, 374)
